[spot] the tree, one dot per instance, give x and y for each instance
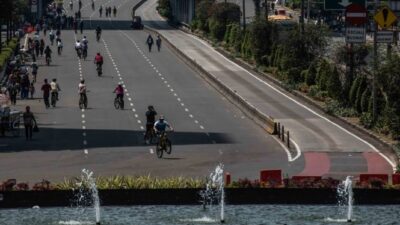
(334, 86)
(262, 35)
(221, 15)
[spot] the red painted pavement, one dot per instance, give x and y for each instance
(377, 164)
(316, 164)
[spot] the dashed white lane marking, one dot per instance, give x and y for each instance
(121, 79)
(151, 151)
(141, 127)
(161, 77)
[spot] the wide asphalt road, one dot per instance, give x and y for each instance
(208, 128)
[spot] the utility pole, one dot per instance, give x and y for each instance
(244, 15)
(374, 74)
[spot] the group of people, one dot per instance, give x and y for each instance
(150, 42)
(108, 11)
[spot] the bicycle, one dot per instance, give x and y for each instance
(84, 53)
(149, 135)
(163, 144)
(118, 103)
(99, 69)
(83, 102)
(53, 99)
(48, 59)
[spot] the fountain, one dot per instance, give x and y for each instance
(345, 194)
(215, 190)
(88, 181)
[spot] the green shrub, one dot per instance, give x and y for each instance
(366, 120)
(294, 75)
(324, 72)
(365, 100)
(333, 85)
(235, 37)
(164, 8)
(221, 15)
(334, 107)
(311, 74)
(313, 90)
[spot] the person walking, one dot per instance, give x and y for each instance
(46, 93)
(41, 46)
(115, 11)
(32, 89)
(158, 42)
(29, 122)
(150, 42)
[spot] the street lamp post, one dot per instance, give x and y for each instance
(374, 74)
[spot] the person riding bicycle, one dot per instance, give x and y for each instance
(82, 90)
(55, 88)
(119, 90)
(98, 32)
(84, 44)
(98, 60)
(48, 52)
(51, 36)
(161, 125)
(150, 120)
(78, 48)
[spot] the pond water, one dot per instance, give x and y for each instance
(187, 215)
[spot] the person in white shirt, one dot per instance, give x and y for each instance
(55, 88)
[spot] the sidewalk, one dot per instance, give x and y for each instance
(311, 130)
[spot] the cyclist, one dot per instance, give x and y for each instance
(98, 60)
(47, 53)
(55, 88)
(161, 125)
(119, 90)
(98, 32)
(82, 90)
(150, 120)
(84, 43)
(51, 36)
(78, 48)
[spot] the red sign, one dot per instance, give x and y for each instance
(356, 14)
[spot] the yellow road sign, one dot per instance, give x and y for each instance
(385, 17)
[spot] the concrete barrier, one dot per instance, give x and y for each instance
(266, 122)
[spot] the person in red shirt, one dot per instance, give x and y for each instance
(46, 93)
(98, 59)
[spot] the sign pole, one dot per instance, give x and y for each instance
(374, 74)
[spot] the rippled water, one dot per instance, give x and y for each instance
(187, 215)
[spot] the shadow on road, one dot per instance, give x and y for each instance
(53, 139)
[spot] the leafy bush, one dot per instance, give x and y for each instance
(221, 15)
(366, 120)
(334, 107)
(164, 8)
(311, 74)
(333, 85)
(262, 33)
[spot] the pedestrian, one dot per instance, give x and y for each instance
(44, 29)
(13, 91)
(150, 42)
(41, 47)
(158, 42)
(59, 46)
(75, 26)
(46, 93)
(32, 90)
(29, 122)
(34, 71)
(81, 26)
(37, 47)
(115, 11)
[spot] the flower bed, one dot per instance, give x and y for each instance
(6, 51)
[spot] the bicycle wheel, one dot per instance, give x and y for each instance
(159, 150)
(168, 146)
(116, 103)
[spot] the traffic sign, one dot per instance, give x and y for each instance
(384, 37)
(341, 4)
(385, 17)
(355, 35)
(356, 14)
